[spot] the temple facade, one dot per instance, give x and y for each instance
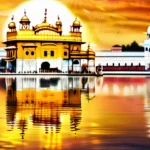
(44, 48)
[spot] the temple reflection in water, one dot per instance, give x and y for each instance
(45, 101)
(75, 112)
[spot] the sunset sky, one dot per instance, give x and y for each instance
(108, 22)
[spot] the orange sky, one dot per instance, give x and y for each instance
(109, 22)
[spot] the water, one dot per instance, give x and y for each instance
(104, 113)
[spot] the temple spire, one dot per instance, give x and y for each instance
(24, 12)
(45, 18)
(12, 18)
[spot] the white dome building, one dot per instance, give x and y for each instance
(146, 46)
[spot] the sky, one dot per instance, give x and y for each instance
(108, 22)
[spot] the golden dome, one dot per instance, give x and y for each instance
(76, 23)
(44, 24)
(12, 24)
(24, 18)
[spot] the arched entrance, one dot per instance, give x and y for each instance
(76, 66)
(45, 66)
(76, 62)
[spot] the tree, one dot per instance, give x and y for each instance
(134, 47)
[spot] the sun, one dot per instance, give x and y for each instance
(35, 12)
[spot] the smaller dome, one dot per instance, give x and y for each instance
(12, 24)
(148, 29)
(58, 23)
(76, 23)
(25, 18)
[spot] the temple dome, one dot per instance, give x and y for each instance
(12, 24)
(76, 23)
(45, 25)
(25, 19)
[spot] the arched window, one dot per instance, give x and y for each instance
(45, 53)
(65, 53)
(52, 53)
(75, 62)
(146, 49)
(32, 53)
(45, 65)
(27, 53)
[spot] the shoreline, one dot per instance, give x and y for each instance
(105, 73)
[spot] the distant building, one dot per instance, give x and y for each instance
(146, 45)
(116, 60)
(116, 48)
(109, 58)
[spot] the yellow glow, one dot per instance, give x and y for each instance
(17, 116)
(94, 124)
(61, 118)
(96, 141)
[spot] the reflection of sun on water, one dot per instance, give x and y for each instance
(35, 12)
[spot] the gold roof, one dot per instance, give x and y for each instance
(76, 23)
(44, 24)
(12, 25)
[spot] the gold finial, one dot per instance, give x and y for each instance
(24, 12)
(12, 18)
(58, 17)
(45, 16)
(45, 12)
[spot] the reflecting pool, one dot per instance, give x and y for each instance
(106, 113)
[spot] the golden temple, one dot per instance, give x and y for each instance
(44, 48)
